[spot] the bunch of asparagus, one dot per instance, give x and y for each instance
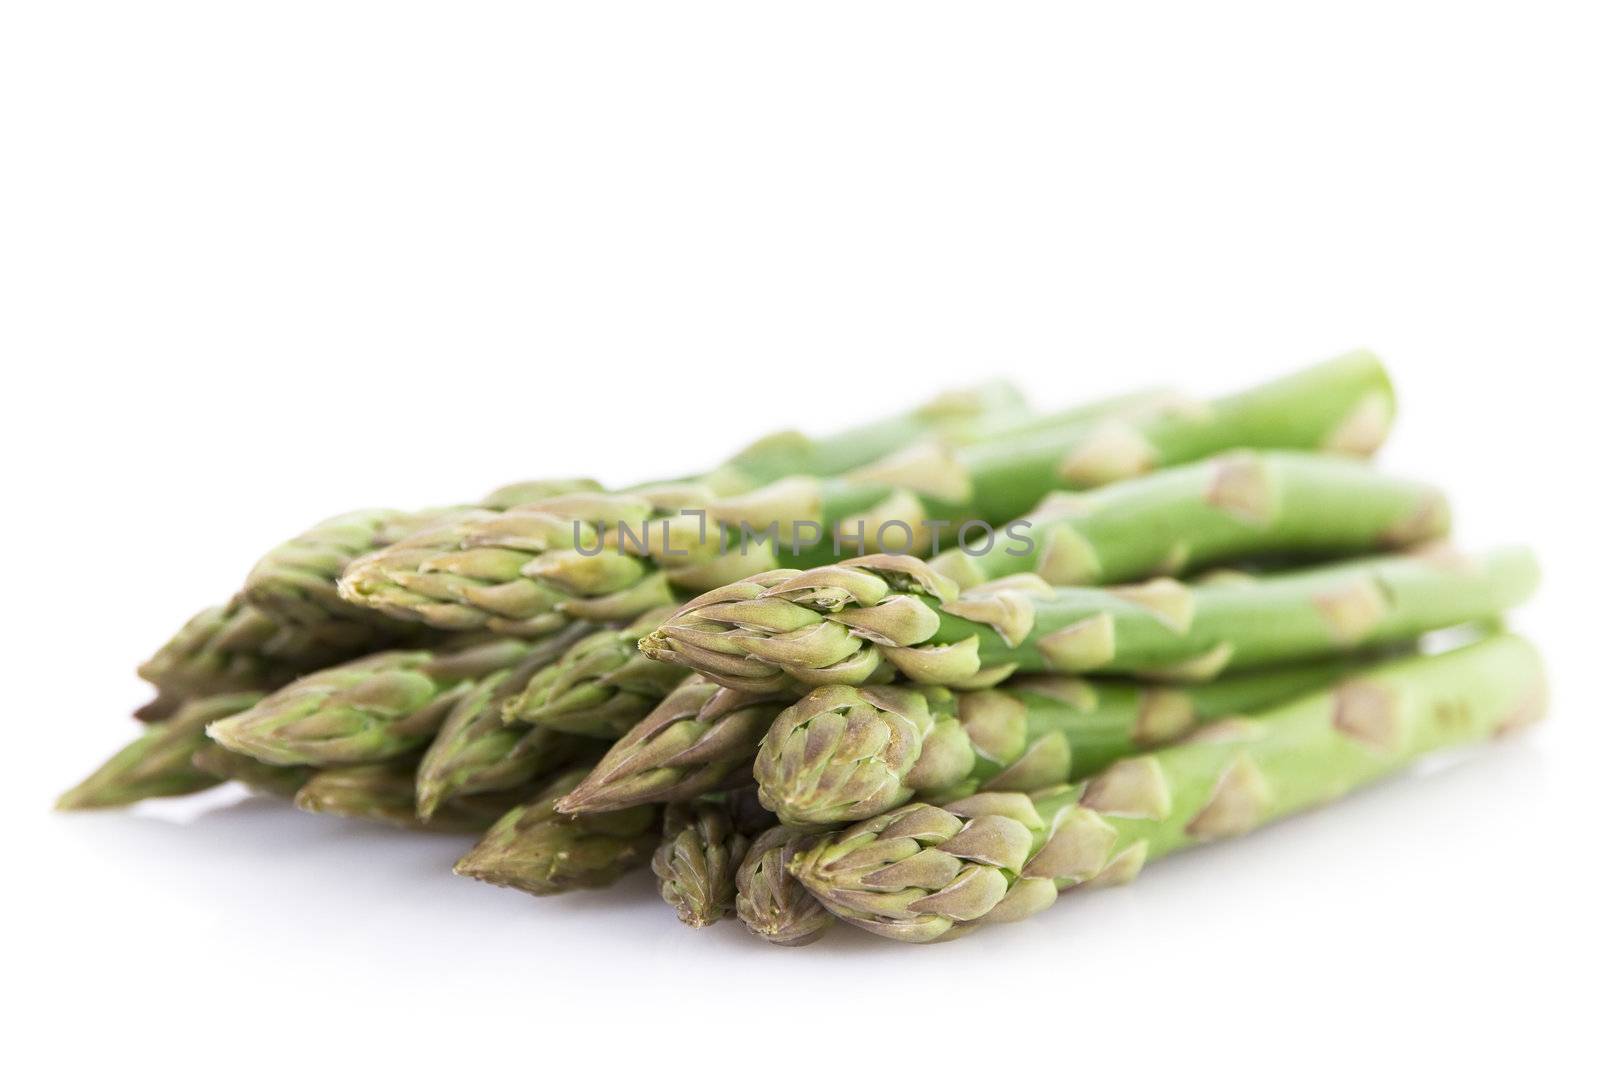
(919, 676)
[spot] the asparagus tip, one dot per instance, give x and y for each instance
(468, 866)
(78, 798)
(430, 795)
(574, 803)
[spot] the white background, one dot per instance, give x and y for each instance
(266, 262)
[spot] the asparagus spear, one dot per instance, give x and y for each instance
(703, 843)
(581, 570)
(601, 686)
(159, 762)
(1234, 506)
(537, 850)
(230, 648)
(287, 621)
(470, 573)
(476, 751)
(698, 739)
(216, 761)
(386, 793)
(289, 618)
(924, 873)
(370, 709)
(771, 902)
(296, 583)
(841, 754)
(1342, 406)
(842, 623)
(280, 626)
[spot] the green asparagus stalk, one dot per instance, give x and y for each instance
(370, 709)
(477, 751)
(842, 623)
(771, 902)
(566, 561)
(703, 843)
(1234, 506)
(216, 761)
(386, 793)
(1342, 406)
(699, 739)
(537, 850)
(842, 754)
(159, 763)
(296, 583)
(601, 686)
(470, 573)
(289, 619)
(924, 873)
(230, 648)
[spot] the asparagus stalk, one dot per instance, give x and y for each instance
(296, 582)
(771, 902)
(1342, 406)
(703, 843)
(470, 573)
(537, 850)
(1234, 506)
(230, 648)
(289, 618)
(905, 500)
(159, 763)
(698, 739)
(225, 766)
(925, 873)
(386, 793)
(601, 686)
(477, 751)
(841, 624)
(371, 709)
(842, 754)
